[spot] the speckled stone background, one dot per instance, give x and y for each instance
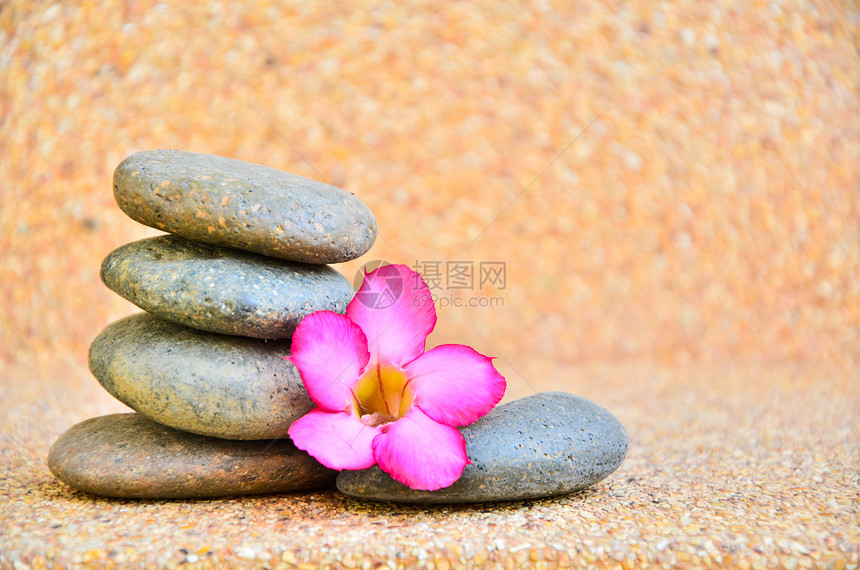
(691, 262)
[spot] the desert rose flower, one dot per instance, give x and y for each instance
(382, 400)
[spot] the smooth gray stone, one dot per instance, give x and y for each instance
(223, 290)
(205, 383)
(553, 443)
(129, 456)
(233, 203)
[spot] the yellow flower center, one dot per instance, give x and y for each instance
(382, 396)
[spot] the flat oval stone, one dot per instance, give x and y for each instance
(129, 456)
(205, 383)
(223, 290)
(553, 443)
(233, 203)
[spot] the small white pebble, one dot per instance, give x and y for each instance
(710, 547)
(663, 544)
(246, 553)
(688, 36)
(711, 41)
(632, 161)
(192, 558)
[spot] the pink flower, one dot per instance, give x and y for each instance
(383, 400)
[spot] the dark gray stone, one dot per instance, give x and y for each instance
(129, 456)
(548, 444)
(223, 290)
(205, 383)
(232, 203)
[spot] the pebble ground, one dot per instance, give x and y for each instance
(691, 262)
(730, 465)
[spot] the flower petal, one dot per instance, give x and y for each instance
(421, 453)
(454, 384)
(330, 352)
(337, 440)
(395, 310)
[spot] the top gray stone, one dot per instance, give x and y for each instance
(548, 444)
(232, 203)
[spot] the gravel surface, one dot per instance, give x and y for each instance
(747, 465)
(691, 262)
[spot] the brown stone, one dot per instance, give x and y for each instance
(130, 456)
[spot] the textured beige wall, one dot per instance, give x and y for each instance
(711, 211)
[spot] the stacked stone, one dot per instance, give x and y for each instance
(244, 261)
